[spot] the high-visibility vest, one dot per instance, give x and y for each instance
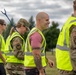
(62, 49)
(2, 44)
(29, 58)
(9, 50)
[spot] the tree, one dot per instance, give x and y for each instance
(7, 31)
(51, 35)
(32, 22)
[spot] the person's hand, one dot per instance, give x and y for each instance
(4, 61)
(50, 63)
(41, 72)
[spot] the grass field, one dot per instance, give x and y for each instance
(51, 71)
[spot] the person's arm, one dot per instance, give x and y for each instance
(36, 40)
(38, 61)
(2, 58)
(73, 37)
(50, 62)
(16, 44)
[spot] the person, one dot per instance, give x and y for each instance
(2, 49)
(66, 46)
(15, 46)
(35, 59)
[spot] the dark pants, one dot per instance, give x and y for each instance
(2, 69)
(32, 71)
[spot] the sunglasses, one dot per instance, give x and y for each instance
(4, 24)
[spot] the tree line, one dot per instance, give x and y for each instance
(51, 34)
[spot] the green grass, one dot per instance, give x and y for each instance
(51, 71)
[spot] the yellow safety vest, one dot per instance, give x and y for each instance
(9, 51)
(29, 58)
(62, 49)
(2, 47)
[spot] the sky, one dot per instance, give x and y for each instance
(58, 10)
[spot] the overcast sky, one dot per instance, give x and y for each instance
(58, 10)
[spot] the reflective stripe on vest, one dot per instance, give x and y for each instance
(29, 53)
(73, 21)
(9, 53)
(62, 47)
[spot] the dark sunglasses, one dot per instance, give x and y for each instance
(4, 24)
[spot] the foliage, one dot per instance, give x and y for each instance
(32, 22)
(8, 28)
(25, 35)
(51, 35)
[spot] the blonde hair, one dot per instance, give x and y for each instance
(12, 30)
(19, 24)
(22, 22)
